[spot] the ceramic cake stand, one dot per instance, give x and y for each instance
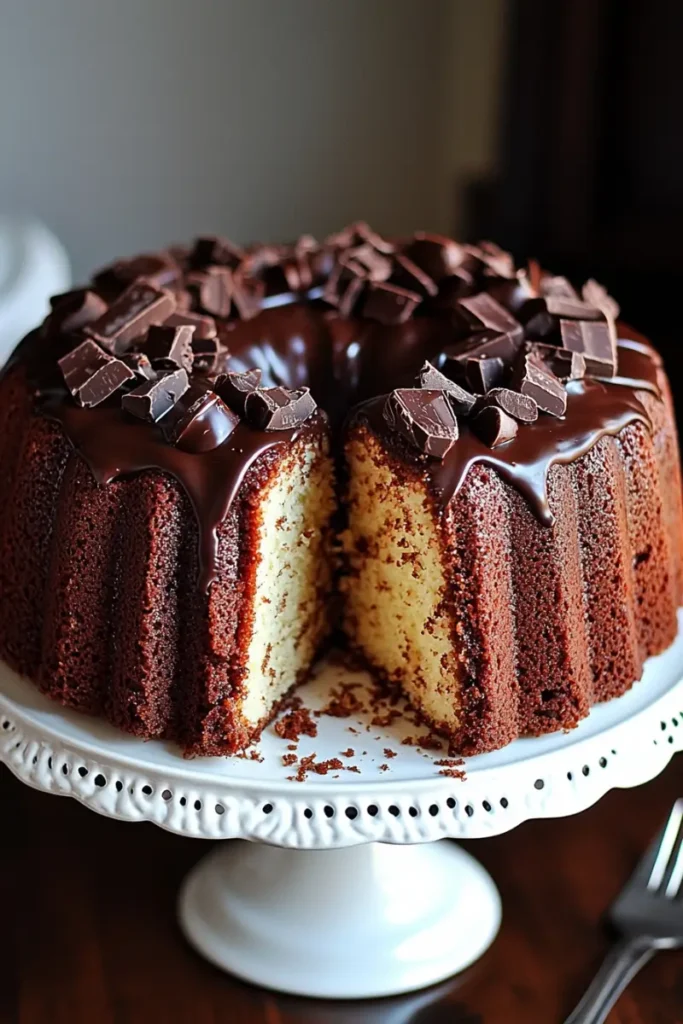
(343, 891)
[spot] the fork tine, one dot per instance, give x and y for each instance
(666, 848)
(676, 874)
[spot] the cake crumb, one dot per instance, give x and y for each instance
(344, 702)
(428, 741)
(388, 752)
(296, 723)
(384, 767)
(348, 753)
(353, 768)
(289, 759)
(450, 766)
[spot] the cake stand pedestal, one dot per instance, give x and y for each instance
(343, 891)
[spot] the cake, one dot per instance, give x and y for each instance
(203, 449)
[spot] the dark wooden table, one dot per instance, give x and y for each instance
(89, 934)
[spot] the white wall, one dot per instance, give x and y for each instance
(126, 124)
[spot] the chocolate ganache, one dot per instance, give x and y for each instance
(148, 367)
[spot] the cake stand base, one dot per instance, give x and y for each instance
(358, 922)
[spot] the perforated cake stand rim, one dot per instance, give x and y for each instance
(335, 858)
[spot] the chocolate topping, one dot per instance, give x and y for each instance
(482, 313)
(278, 408)
(533, 378)
(92, 375)
(234, 388)
(156, 398)
(484, 372)
(171, 344)
(436, 255)
(595, 341)
(199, 421)
(424, 417)
(494, 426)
(432, 379)
(521, 407)
(389, 304)
(213, 250)
(131, 315)
(73, 310)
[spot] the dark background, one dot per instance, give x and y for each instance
(589, 171)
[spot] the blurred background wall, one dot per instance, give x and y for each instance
(133, 123)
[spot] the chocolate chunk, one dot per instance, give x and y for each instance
(389, 304)
(494, 426)
(520, 407)
(484, 372)
(482, 313)
(156, 398)
(377, 266)
(170, 344)
(564, 364)
(574, 309)
(208, 354)
(425, 418)
(596, 295)
(541, 316)
(595, 341)
(497, 262)
(433, 380)
(278, 408)
(344, 286)
(362, 232)
(76, 309)
(558, 287)
(159, 269)
(92, 375)
(129, 316)
(212, 289)
(246, 302)
(199, 421)
(140, 365)
(407, 274)
(233, 388)
(511, 293)
(533, 378)
(204, 326)
(211, 250)
(436, 255)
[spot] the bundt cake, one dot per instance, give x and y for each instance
(204, 448)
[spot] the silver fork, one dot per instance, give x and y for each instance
(649, 917)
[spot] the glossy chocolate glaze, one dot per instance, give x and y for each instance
(344, 362)
(114, 445)
(595, 410)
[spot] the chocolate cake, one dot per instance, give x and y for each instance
(508, 488)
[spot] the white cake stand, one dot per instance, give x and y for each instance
(334, 897)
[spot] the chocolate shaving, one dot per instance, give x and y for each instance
(389, 304)
(494, 426)
(278, 408)
(129, 316)
(92, 375)
(234, 388)
(153, 400)
(533, 378)
(171, 344)
(199, 421)
(425, 418)
(433, 380)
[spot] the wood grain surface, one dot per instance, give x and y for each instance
(89, 933)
